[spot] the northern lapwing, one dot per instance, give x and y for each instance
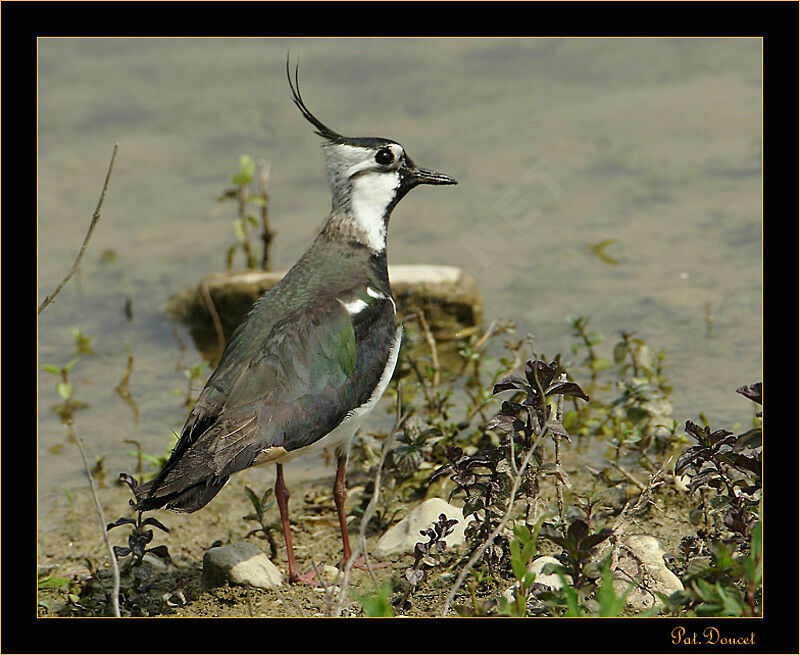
(314, 354)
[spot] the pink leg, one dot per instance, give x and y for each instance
(339, 496)
(282, 496)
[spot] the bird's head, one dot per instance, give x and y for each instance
(367, 175)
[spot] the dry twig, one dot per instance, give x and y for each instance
(99, 508)
(429, 399)
(480, 343)
(632, 508)
(95, 217)
(557, 445)
(212, 310)
(628, 476)
(432, 345)
(287, 602)
(267, 235)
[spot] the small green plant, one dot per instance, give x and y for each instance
(156, 462)
(123, 390)
(50, 581)
(523, 550)
(260, 507)
(599, 599)
(83, 342)
(611, 604)
(477, 607)
(638, 418)
(66, 390)
(573, 600)
(587, 340)
(248, 203)
(377, 603)
(722, 584)
(98, 471)
(753, 570)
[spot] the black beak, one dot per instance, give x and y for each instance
(425, 176)
(411, 175)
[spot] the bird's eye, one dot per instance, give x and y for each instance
(384, 156)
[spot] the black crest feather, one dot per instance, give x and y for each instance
(323, 130)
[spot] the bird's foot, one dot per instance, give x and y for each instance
(361, 564)
(310, 577)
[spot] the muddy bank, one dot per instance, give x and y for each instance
(74, 549)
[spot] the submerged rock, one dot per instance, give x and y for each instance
(403, 536)
(448, 297)
(642, 558)
(240, 563)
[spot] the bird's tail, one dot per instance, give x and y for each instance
(152, 495)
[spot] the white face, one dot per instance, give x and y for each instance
(371, 177)
(354, 161)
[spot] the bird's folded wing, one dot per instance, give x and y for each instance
(289, 390)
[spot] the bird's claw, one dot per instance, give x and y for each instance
(361, 564)
(310, 577)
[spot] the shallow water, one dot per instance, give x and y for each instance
(557, 144)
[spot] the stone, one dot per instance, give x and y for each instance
(682, 482)
(448, 297)
(402, 536)
(642, 558)
(156, 562)
(44, 570)
(331, 574)
(548, 579)
(240, 563)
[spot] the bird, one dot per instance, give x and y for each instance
(314, 354)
